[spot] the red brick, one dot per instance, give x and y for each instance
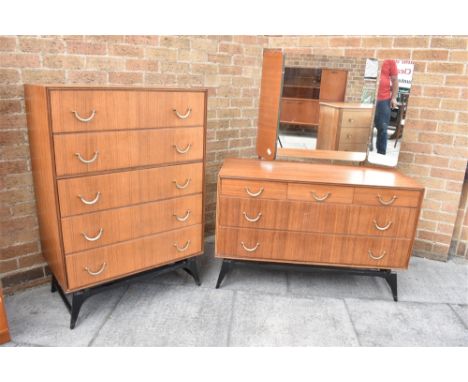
(402, 54)
(12, 121)
(9, 106)
(20, 60)
(10, 137)
(42, 76)
(125, 78)
(344, 41)
(142, 65)
(60, 61)
(7, 266)
(31, 260)
(9, 76)
(449, 42)
(431, 160)
(377, 42)
(142, 40)
(230, 48)
(126, 50)
(87, 77)
(447, 174)
(44, 45)
(410, 42)
(441, 92)
(7, 44)
(436, 138)
(430, 54)
(453, 80)
(89, 48)
(445, 67)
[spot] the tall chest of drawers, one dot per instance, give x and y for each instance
(119, 180)
(4, 331)
(315, 214)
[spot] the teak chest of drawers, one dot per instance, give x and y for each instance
(4, 331)
(119, 181)
(300, 213)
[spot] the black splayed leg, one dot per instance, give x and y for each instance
(392, 282)
(78, 298)
(53, 285)
(192, 269)
(225, 267)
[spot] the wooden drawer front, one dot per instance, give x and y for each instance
(283, 246)
(383, 221)
(124, 149)
(362, 118)
(253, 189)
(126, 188)
(320, 193)
(354, 135)
(300, 111)
(386, 197)
(117, 110)
(356, 147)
(100, 264)
(4, 331)
(283, 215)
(115, 225)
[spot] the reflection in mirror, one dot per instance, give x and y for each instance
(389, 122)
(327, 102)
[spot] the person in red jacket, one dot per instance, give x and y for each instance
(386, 101)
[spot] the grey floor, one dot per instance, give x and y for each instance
(257, 308)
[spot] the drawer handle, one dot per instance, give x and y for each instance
(84, 119)
(183, 151)
(383, 228)
(386, 202)
(250, 249)
(98, 272)
(183, 116)
(97, 237)
(183, 218)
(320, 198)
(87, 161)
(350, 120)
(90, 202)
(182, 186)
(376, 257)
(184, 248)
(254, 194)
(252, 220)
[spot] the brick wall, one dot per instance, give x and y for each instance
(459, 245)
(434, 147)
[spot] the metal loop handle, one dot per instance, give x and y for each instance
(254, 194)
(250, 249)
(183, 116)
(183, 218)
(387, 202)
(84, 119)
(98, 272)
(90, 202)
(183, 151)
(389, 224)
(97, 237)
(182, 186)
(320, 198)
(87, 161)
(184, 248)
(369, 252)
(252, 220)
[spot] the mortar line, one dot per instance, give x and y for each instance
(231, 319)
(458, 315)
(352, 322)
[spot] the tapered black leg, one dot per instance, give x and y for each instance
(53, 285)
(225, 267)
(392, 282)
(192, 269)
(77, 301)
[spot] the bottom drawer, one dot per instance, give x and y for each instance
(284, 246)
(113, 261)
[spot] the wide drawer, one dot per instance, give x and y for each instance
(82, 153)
(386, 197)
(355, 118)
(354, 135)
(94, 110)
(96, 229)
(294, 110)
(99, 192)
(113, 261)
(298, 247)
(254, 189)
(320, 193)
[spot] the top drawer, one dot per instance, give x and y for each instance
(356, 118)
(386, 197)
(253, 189)
(95, 110)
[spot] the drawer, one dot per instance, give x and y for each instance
(96, 229)
(82, 153)
(95, 110)
(310, 248)
(356, 147)
(354, 135)
(113, 261)
(386, 197)
(356, 118)
(383, 221)
(320, 193)
(4, 331)
(99, 192)
(253, 189)
(294, 110)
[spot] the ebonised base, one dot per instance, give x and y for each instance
(79, 297)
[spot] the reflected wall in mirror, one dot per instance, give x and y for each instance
(390, 112)
(327, 102)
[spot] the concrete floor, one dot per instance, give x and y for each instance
(257, 308)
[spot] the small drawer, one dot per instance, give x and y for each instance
(98, 110)
(100, 192)
(113, 261)
(96, 229)
(354, 135)
(320, 193)
(386, 197)
(355, 118)
(253, 189)
(83, 153)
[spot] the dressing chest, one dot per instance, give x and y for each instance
(4, 331)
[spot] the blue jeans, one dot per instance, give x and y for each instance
(381, 121)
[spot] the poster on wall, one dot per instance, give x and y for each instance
(405, 73)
